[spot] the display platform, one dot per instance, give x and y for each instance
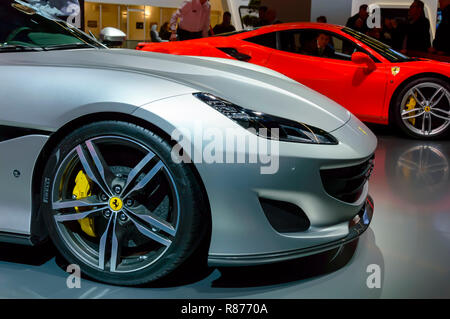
(408, 242)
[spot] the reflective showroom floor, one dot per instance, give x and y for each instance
(409, 239)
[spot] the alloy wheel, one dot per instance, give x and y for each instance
(126, 216)
(425, 109)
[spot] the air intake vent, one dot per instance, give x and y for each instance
(347, 183)
(285, 217)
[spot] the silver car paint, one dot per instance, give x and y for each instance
(135, 78)
(239, 224)
(46, 90)
(15, 196)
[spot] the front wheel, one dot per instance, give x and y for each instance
(117, 205)
(422, 108)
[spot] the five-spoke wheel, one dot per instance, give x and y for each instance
(423, 109)
(115, 205)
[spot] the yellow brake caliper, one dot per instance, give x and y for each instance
(410, 106)
(82, 189)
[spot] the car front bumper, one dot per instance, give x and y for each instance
(355, 231)
(241, 232)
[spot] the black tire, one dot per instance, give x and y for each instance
(192, 226)
(396, 109)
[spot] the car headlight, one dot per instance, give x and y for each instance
(286, 130)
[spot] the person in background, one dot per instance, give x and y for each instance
(195, 16)
(271, 17)
(398, 33)
(441, 43)
(154, 34)
(387, 31)
(417, 30)
(359, 21)
(225, 26)
(262, 21)
(164, 32)
(375, 33)
(321, 19)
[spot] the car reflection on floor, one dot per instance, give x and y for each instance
(409, 240)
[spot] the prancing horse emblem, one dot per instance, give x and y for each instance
(115, 203)
(395, 70)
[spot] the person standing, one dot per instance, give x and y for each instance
(164, 32)
(194, 21)
(417, 36)
(271, 17)
(358, 22)
(154, 34)
(321, 19)
(398, 33)
(262, 11)
(225, 26)
(387, 31)
(441, 43)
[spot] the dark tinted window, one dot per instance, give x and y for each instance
(267, 40)
(21, 25)
(381, 48)
(297, 41)
(306, 42)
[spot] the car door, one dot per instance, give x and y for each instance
(259, 47)
(333, 73)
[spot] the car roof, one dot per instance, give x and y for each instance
(299, 25)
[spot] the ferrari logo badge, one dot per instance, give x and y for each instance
(395, 70)
(115, 204)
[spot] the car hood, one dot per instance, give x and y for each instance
(244, 84)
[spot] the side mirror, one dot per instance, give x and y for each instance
(112, 37)
(363, 58)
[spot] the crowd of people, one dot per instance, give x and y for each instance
(412, 35)
(192, 21)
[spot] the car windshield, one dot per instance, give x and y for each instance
(22, 28)
(381, 48)
(228, 34)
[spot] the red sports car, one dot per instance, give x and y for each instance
(369, 78)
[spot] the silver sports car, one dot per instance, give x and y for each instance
(130, 161)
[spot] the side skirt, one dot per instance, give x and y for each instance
(13, 238)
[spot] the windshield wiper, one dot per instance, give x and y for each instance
(18, 48)
(69, 46)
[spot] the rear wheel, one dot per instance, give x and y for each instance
(118, 206)
(422, 108)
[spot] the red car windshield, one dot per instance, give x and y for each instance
(228, 34)
(381, 48)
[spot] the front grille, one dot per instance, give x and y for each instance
(347, 183)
